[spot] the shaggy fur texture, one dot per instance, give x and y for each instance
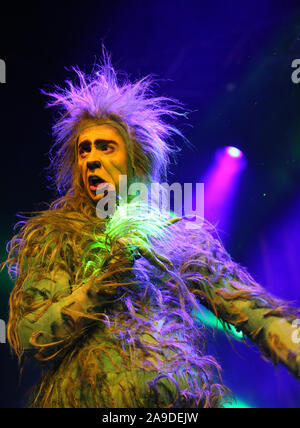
(139, 344)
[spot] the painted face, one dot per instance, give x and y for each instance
(102, 157)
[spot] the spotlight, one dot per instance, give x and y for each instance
(234, 152)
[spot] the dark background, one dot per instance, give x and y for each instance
(229, 62)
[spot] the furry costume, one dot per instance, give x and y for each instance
(136, 342)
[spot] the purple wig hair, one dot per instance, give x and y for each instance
(132, 107)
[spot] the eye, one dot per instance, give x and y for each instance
(108, 148)
(85, 147)
(105, 147)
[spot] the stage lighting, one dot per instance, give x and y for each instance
(234, 152)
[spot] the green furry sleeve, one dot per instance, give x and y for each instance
(227, 289)
(43, 299)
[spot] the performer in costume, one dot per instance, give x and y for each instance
(108, 305)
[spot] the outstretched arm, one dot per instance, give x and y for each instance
(263, 319)
(233, 296)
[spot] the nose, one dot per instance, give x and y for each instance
(93, 165)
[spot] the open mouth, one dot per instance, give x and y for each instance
(94, 181)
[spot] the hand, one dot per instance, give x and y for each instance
(76, 303)
(143, 249)
(283, 347)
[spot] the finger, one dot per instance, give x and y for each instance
(162, 258)
(173, 220)
(152, 258)
(135, 241)
(132, 252)
(122, 241)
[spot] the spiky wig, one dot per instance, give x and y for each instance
(132, 107)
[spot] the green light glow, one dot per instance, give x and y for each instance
(209, 319)
(237, 404)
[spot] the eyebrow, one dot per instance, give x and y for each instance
(98, 141)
